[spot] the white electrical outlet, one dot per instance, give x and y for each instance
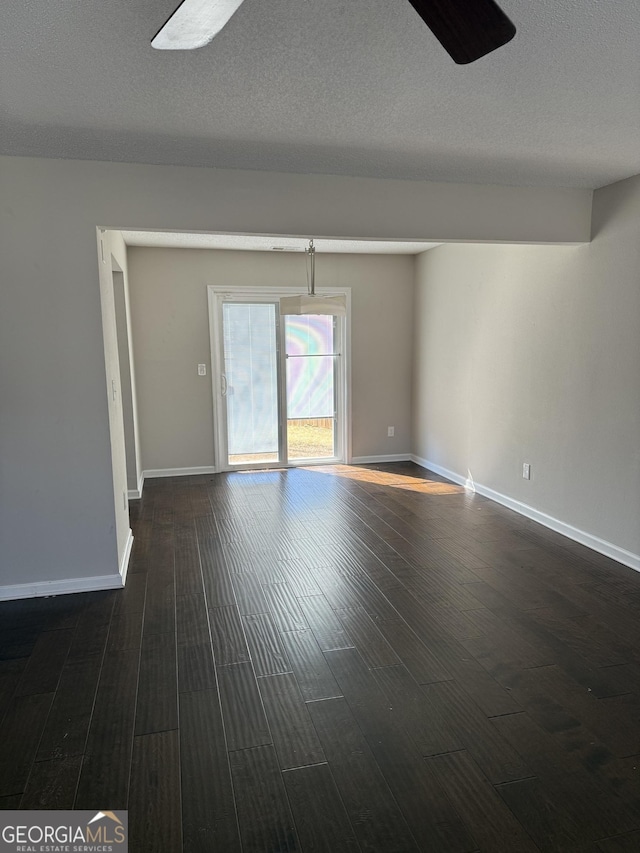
(526, 471)
(202, 370)
(391, 431)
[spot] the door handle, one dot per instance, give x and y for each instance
(223, 385)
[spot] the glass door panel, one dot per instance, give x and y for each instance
(311, 386)
(250, 382)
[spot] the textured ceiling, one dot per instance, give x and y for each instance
(261, 243)
(356, 87)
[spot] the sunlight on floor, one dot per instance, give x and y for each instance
(395, 481)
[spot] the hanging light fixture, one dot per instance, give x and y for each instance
(311, 302)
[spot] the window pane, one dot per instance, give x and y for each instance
(309, 334)
(310, 387)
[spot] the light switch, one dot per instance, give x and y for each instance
(202, 370)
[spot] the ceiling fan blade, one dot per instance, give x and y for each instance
(467, 29)
(194, 23)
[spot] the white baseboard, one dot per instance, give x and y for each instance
(136, 494)
(179, 472)
(39, 589)
(450, 475)
(602, 546)
(388, 457)
(124, 564)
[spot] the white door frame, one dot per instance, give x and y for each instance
(216, 295)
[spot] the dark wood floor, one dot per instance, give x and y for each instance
(334, 659)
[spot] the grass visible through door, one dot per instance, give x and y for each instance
(307, 439)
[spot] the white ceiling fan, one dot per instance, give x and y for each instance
(467, 29)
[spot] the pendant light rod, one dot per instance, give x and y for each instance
(311, 252)
(310, 303)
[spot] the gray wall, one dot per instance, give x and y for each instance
(170, 329)
(532, 354)
(59, 501)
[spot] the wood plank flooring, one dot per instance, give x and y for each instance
(329, 659)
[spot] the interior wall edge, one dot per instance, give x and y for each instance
(124, 563)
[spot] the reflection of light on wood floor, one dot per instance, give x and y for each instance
(394, 481)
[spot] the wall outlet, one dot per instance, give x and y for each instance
(125, 500)
(202, 370)
(391, 431)
(526, 471)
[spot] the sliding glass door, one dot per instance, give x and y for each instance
(279, 385)
(250, 382)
